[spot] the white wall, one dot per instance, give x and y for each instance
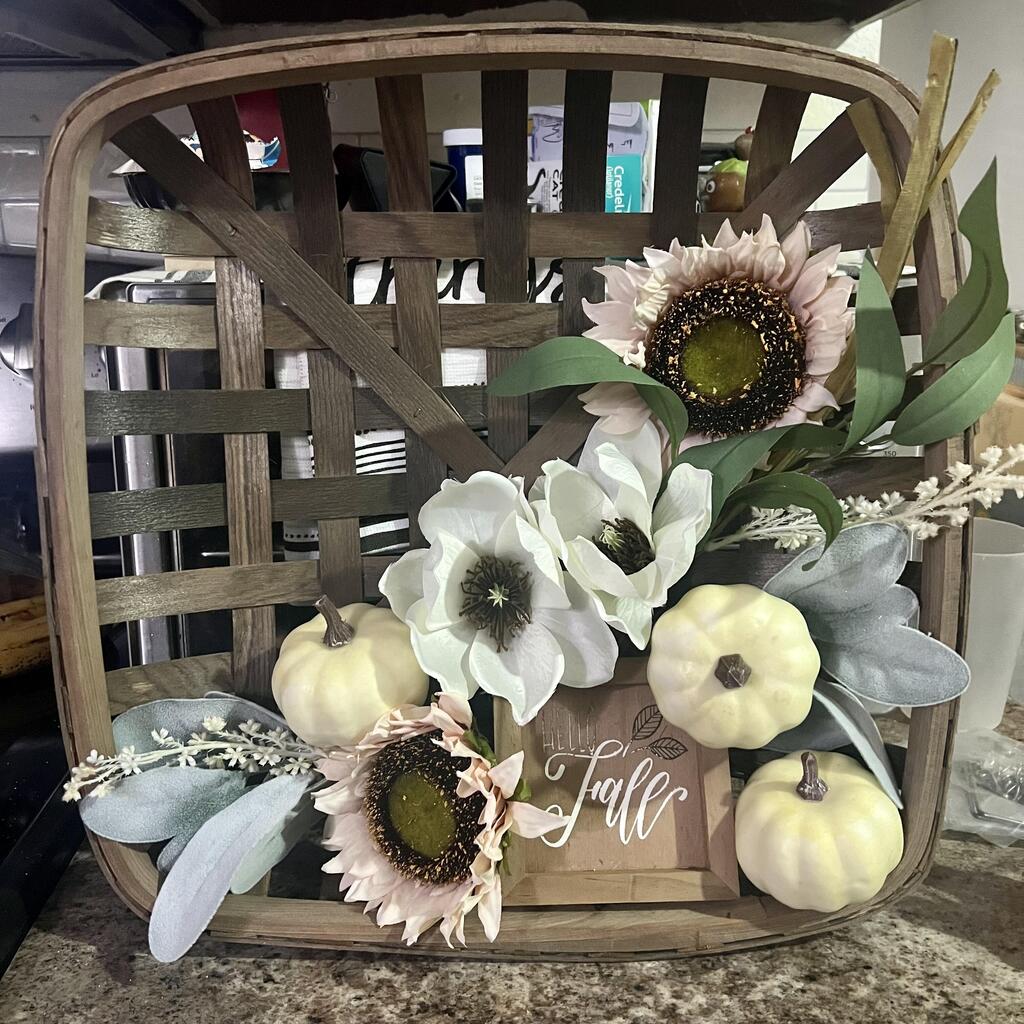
(990, 33)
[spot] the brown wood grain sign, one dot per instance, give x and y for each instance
(648, 810)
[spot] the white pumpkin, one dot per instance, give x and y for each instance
(817, 831)
(732, 666)
(339, 672)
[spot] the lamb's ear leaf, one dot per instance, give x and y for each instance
(863, 563)
(182, 717)
(896, 605)
(161, 803)
(202, 874)
(855, 721)
(291, 829)
(897, 665)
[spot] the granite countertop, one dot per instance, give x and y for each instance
(952, 952)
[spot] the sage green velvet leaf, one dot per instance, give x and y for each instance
(897, 605)
(780, 490)
(859, 569)
(897, 665)
(559, 362)
(962, 394)
(201, 876)
(855, 721)
(975, 312)
(881, 371)
(837, 719)
(731, 460)
(161, 803)
(181, 718)
(295, 826)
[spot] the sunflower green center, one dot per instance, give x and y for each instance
(723, 358)
(420, 814)
(625, 544)
(414, 815)
(497, 598)
(734, 353)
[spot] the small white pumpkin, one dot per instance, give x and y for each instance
(733, 666)
(339, 672)
(817, 832)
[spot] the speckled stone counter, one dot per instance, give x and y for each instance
(950, 953)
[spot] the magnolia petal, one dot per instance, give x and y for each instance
(641, 448)
(686, 500)
(519, 541)
(575, 501)
(587, 646)
(444, 570)
(402, 582)
(525, 674)
(474, 510)
(443, 653)
(630, 615)
(594, 570)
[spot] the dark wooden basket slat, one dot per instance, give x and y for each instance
(778, 121)
(239, 322)
(307, 128)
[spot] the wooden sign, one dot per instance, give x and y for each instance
(650, 812)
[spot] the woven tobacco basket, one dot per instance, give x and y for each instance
(396, 351)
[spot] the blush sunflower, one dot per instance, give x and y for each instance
(745, 330)
(418, 816)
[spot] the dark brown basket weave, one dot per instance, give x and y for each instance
(396, 350)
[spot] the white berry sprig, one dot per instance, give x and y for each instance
(933, 507)
(249, 748)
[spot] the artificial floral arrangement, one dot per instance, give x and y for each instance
(724, 378)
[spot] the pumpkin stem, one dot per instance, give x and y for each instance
(338, 632)
(732, 671)
(812, 785)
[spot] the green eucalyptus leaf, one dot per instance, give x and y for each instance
(810, 437)
(881, 372)
(962, 394)
(731, 460)
(569, 361)
(976, 311)
(780, 490)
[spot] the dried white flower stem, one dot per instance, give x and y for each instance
(249, 748)
(933, 508)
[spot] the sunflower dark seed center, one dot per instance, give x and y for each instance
(625, 544)
(416, 819)
(734, 353)
(497, 598)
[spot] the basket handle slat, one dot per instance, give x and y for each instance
(584, 149)
(821, 164)
(403, 125)
(778, 121)
(307, 129)
(239, 228)
(504, 113)
(680, 123)
(239, 320)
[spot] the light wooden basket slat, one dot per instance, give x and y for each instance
(300, 258)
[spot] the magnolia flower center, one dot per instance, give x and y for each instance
(414, 815)
(625, 544)
(497, 598)
(734, 353)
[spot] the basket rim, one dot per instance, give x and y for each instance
(95, 116)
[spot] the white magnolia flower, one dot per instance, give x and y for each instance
(488, 604)
(617, 541)
(745, 330)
